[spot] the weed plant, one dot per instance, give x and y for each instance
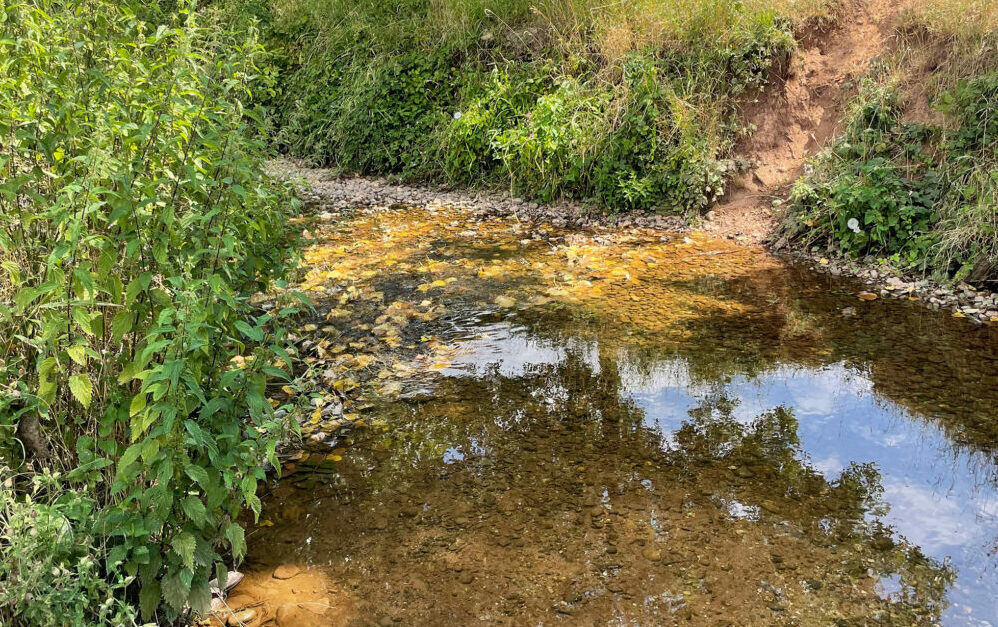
(921, 194)
(135, 223)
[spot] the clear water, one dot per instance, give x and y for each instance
(720, 439)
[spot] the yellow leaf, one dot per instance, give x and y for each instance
(867, 296)
(82, 389)
(505, 301)
(137, 405)
(78, 353)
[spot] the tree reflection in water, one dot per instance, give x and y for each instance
(542, 493)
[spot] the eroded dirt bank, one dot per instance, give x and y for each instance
(799, 113)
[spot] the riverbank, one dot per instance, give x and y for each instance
(844, 126)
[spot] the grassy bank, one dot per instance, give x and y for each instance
(914, 179)
(630, 104)
(135, 224)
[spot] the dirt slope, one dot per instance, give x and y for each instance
(797, 116)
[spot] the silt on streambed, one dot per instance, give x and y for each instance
(624, 428)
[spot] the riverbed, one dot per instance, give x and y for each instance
(522, 424)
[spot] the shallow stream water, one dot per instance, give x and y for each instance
(632, 428)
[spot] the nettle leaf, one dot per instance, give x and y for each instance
(174, 590)
(184, 544)
(253, 333)
(200, 596)
(121, 324)
(78, 353)
(149, 596)
(194, 509)
(129, 457)
(82, 389)
(137, 405)
(236, 536)
(197, 474)
(221, 574)
(83, 319)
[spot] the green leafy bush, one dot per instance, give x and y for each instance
(657, 156)
(51, 559)
(135, 224)
(872, 193)
(916, 195)
(549, 151)
(491, 104)
(374, 116)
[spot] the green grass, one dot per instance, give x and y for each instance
(630, 104)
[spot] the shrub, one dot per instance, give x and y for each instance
(135, 223)
(51, 559)
(373, 116)
(916, 195)
(548, 152)
(492, 104)
(656, 156)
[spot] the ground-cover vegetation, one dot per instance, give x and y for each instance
(918, 188)
(631, 104)
(135, 224)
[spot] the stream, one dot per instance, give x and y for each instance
(624, 427)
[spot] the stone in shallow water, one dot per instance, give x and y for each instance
(286, 571)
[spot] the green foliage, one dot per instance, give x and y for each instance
(135, 224)
(490, 106)
(968, 179)
(548, 152)
(529, 98)
(917, 195)
(657, 155)
(51, 567)
(375, 116)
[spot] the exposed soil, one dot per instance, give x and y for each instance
(799, 114)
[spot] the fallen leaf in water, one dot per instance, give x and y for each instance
(867, 296)
(505, 301)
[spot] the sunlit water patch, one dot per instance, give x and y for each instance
(633, 429)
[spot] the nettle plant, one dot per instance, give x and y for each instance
(135, 224)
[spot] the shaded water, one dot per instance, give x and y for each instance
(631, 429)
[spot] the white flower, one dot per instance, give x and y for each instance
(457, 115)
(853, 225)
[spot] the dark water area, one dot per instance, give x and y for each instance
(733, 443)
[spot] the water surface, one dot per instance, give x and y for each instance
(633, 429)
